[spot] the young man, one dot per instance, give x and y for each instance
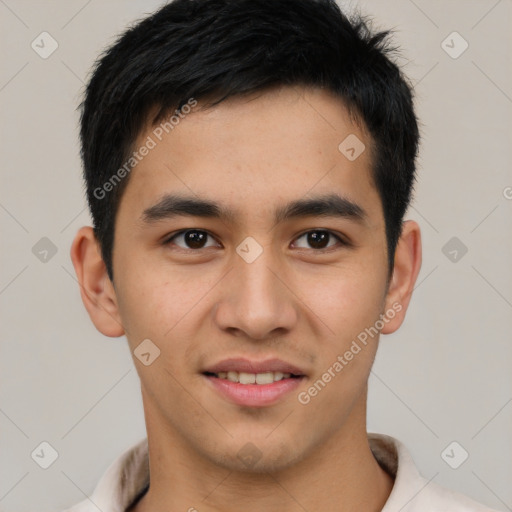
(248, 167)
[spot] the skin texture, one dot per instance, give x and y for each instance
(295, 302)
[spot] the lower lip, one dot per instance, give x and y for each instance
(254, 395)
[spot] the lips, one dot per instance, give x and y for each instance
(254, 383)
(253, 378)
(255, 367)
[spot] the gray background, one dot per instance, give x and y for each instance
(445, 376)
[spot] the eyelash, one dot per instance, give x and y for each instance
(342, 242)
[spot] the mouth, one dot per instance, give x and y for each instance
(253, 384)
(253, 378)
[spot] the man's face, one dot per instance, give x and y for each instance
(246, 293)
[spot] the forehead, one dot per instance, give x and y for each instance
(249, 152)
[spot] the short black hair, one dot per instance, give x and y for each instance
(216, 49)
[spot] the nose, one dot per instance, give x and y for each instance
(256, 301)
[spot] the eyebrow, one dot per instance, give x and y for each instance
(328, 205)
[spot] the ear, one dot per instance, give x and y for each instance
(405, 272)
(96, 289)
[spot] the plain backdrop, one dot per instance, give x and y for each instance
(444, 377)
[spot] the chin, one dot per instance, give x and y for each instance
(258, 456)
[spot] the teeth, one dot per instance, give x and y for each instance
(253, 378)
(233, 376)
(247, 378)
(264, 378)
(278, 375)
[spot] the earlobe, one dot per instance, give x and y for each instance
(96, 289)
(406, 269)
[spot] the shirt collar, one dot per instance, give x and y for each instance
(128, 476)
(395, 459)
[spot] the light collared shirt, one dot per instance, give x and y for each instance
(127, 479)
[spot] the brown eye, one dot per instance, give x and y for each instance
(190, 239)
(320, 239)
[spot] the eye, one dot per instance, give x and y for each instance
(190, 238)
(195, 239)
(319, 239)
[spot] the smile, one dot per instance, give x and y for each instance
(253, 384)
(252, 394)
(254, 378)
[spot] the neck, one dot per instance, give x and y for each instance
(342, 475)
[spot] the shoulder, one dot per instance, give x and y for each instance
(412, 492)
(121, 483)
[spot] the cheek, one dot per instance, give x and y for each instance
(347, 301)
(167, 308)
(350, 307)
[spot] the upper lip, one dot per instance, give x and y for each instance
(249, 366)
